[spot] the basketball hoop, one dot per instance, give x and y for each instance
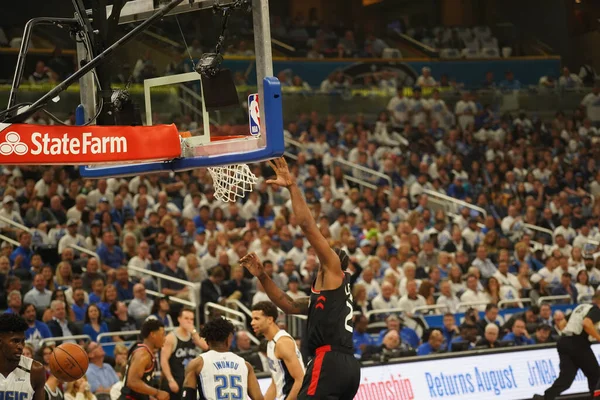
(232, 181)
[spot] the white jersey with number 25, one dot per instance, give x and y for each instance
(223, 376)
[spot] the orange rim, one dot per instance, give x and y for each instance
(220, 138)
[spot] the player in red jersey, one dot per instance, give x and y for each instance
(332, 372)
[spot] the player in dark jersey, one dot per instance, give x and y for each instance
(332, 372)
(179, 349)
(141, 364)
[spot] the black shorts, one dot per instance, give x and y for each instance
(330, 375)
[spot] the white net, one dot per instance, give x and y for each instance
(232, 181)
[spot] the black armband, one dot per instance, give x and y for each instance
(189, 394)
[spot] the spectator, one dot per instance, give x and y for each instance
(386, 299)
(399, 107)
(543, 335)
(8, 211)
(587, 73)
(210, 289)
(39, 296)
(465, 110)
(411, 299)
(483, 263)
(59, 325)
(15, 302)
(121, 322)
(170, 288)
(447, 298)
(592, 105)
(79, 305)
(425, 79)
(101, 376)
(21, 256)
(519, 334)
(433, 345)
(360, 337)
(566, 288)
(390, 347)
(509, 82)
(473, 294)
(41, 74)
(293, 288)
(110, 254)
(467, 338)
(140, 307)
(123, 285)
(71, 238)
(490, 337)
(569, 80)
(490, 317)
(79, 389)
(449, 329)
(160, 310)
(408, 335)
(94, 324)
(37, 330)
(238, 288)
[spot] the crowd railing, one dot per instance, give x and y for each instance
(454, 204)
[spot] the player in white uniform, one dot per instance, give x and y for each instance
(21, 378)
(285, 360)
(218, 373)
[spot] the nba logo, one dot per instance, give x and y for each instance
(254, 114)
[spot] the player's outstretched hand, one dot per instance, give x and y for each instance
(162, 395)
(253, 264)
(284, 177)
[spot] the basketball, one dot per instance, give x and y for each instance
(69, 362)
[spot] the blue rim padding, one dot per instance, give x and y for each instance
(275, 145)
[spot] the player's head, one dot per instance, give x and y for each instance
(264, 315)
(218, 332)
(153, 331)
(186, 316)
(12, 336)
(344, 258)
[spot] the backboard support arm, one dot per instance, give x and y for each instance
(41, 102)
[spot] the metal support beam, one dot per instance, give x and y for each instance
(264, 56)
(41, 102)
(140, 10)
(19, 69)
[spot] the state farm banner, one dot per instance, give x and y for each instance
(59, 144)
(506, 375)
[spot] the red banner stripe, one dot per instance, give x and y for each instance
(58, 144)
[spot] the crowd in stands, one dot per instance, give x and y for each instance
(315, 39)
(405, 250)
(455, 42)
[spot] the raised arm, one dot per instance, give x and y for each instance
(329, 259)
(289, 306)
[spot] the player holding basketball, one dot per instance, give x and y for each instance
(22, 378)
(333, 372)
(285, 360)
(141, 364)
(218, 373)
